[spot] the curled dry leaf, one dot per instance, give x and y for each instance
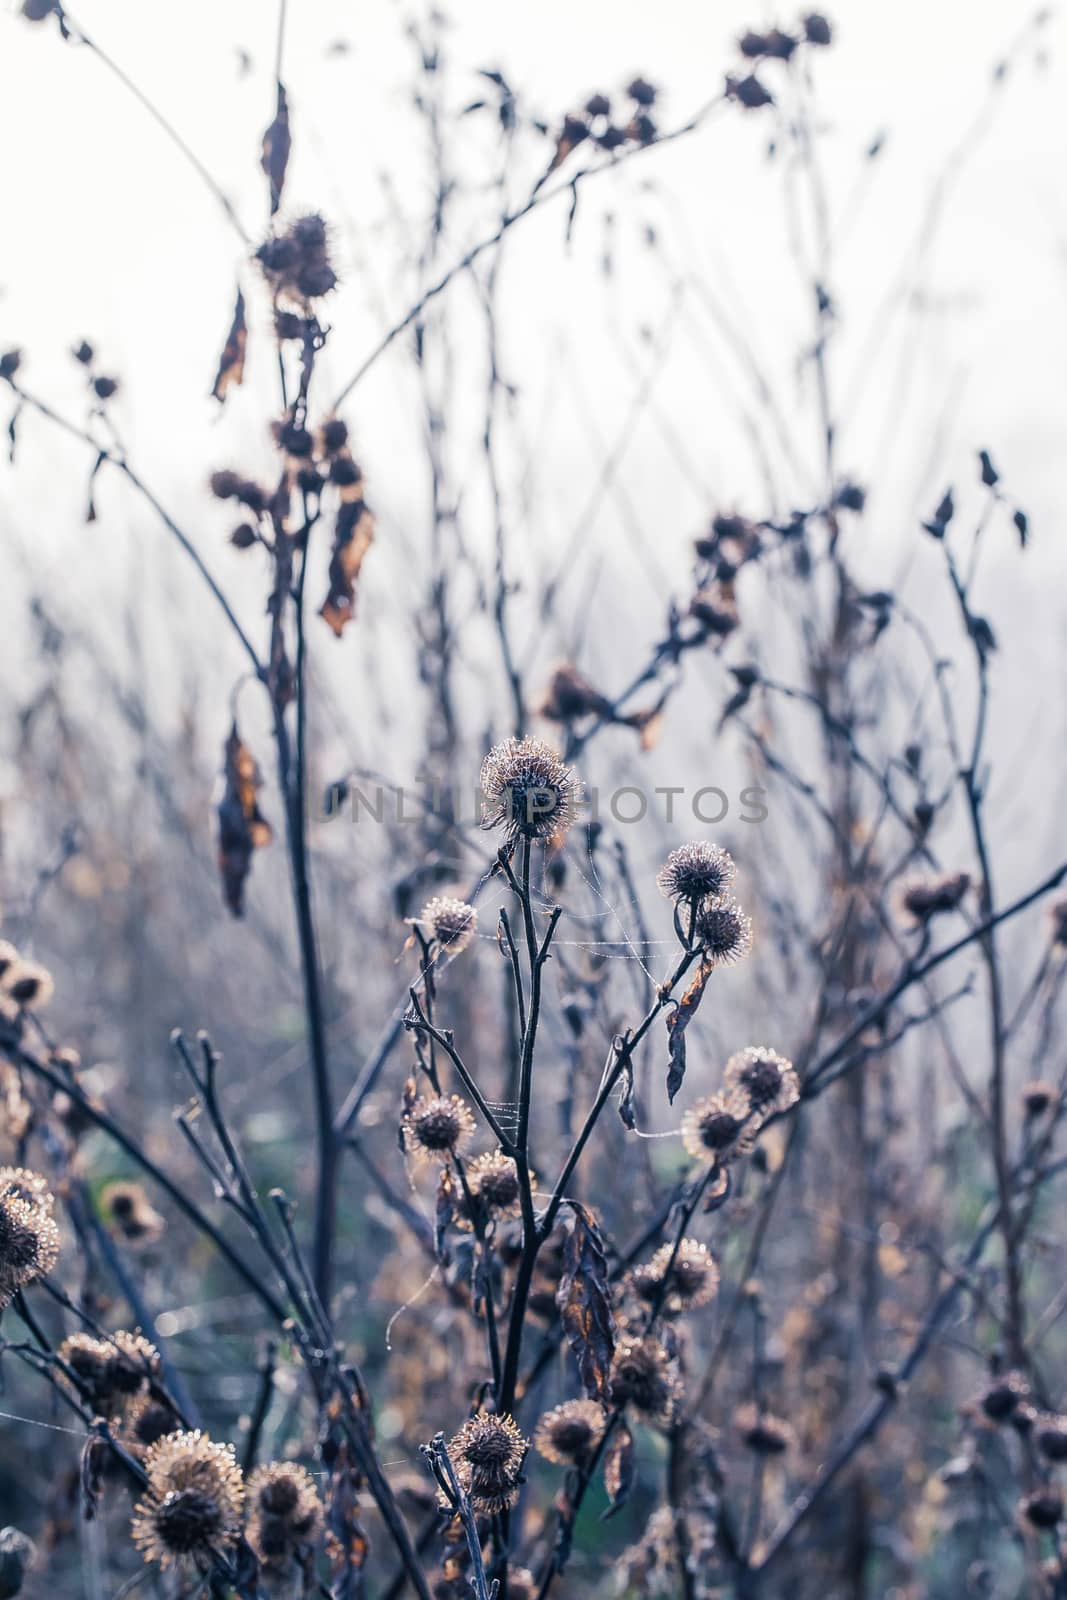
(584, 1301)
(277, 144)
(619, 1467)
(353, 537)
(232, 361)
(678, 1021)
(242, 826)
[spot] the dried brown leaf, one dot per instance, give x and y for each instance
(277, 143)
(353, 538)
(678, 1021)
(232, 361)
(584, 1301)
(242, 826)
(619, 1467)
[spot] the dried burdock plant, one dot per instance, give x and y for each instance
(476, 1161)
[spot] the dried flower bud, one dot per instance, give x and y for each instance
(749, 92)
(1038, 1096)
(598, 105)
(641, 91)
(10, 362)
(817, 29)
(104, 388)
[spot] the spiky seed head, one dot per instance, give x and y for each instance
(767, 1080)
(697, 872)
(436, 1127)
(493, 1180)
(763, 1433)
(29, 1238)
(146, 1421)
(285, 1512)
(723, 932)
(193, 1501)
(691, 1273)
(719, 1128)
(570, 1433)
(642, 1377)
(28, 984)
(487, 1454)
(529, 792)
(452, 922)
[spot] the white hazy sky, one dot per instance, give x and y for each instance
(108, 235)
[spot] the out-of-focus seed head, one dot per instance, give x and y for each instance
(437, 1127)
(598, 105)
(1050, 1436)
(642, 1377)
(8, 956)
(763, 1433)
(452, 922)
(570, 695)
(752, 45)
(487, 1454)
(493, 1180)
(1003, 1396)
(570, 1433)
(692, 1278)
(128, 1208)
(528, 790)
(1043, 1509)
(719, 1128)
(817, 29)
(10, 362)
(723, 931)
(1038, 1097)
(923, 898)
(28, 984)
(38, 10)
(192, 1506)
(697, 872)
(105, 388)
(285, 1512)
(641, 91)
(768, 1080)
(18, 1554)
(749, 92)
